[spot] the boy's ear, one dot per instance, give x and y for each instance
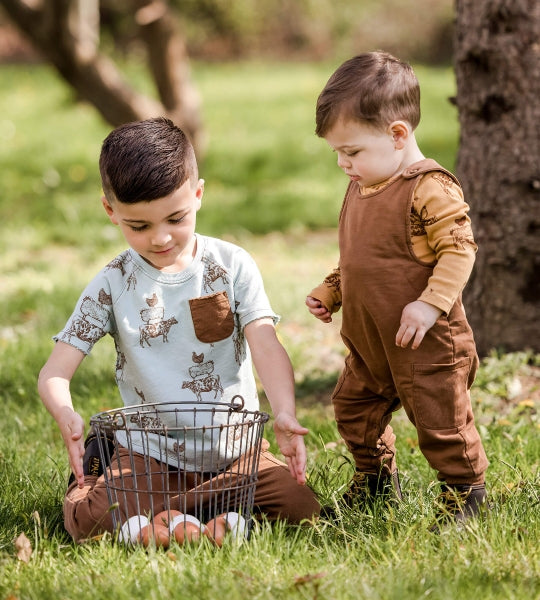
(199, 192)
(109, 210)
(399, 130)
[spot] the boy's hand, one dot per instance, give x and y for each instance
(317, 309)
(72, 427)
(416, 319)
(289, 436)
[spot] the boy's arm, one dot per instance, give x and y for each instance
(275, 371)
(53, 387)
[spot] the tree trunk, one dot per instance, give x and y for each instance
(497, 68)
(67, 34)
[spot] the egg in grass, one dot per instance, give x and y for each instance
(154, 534)
(186, 528)
(227, 523)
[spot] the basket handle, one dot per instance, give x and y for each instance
(239, 404)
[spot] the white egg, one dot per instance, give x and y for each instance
(130, 530)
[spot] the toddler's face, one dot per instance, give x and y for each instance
(367, 155)
(161, 231)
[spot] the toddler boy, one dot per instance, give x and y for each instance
(406, 252)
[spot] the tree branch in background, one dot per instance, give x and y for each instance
(66, 32)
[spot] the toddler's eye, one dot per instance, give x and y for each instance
(176, 221)
(138, 227)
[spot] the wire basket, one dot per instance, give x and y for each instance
(200, 459)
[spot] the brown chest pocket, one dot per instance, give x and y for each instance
(212, 317)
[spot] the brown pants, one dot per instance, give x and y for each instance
(437, 402)
(88, 511)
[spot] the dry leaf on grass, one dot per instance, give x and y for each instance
(308, 578)
(23, 547)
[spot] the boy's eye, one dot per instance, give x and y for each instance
(138, 227)
(352, 153)
(176, 221)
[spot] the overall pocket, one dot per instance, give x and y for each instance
(440, 395)
(212, 317)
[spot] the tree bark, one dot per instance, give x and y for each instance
(66, 32)
(497, 69)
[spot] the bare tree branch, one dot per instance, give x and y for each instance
(66, 32)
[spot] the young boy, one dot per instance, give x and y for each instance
(208, 307)
(406, 252)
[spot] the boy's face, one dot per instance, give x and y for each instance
(161, 231)
(365, 154)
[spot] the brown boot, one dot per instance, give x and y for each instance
(364, 490)
(459, 503)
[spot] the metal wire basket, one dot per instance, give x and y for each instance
(197, 458)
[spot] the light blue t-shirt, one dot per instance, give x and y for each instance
(179, 337)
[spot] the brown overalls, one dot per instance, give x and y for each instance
(379, 276)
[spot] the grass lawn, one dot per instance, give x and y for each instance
(274, 188)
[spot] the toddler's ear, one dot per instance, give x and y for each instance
(400, 133)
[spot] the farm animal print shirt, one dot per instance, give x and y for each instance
(440, 233)
(179, 337)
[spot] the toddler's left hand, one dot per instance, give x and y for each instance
(416, 319)
(290, 438)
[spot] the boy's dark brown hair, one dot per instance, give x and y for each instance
(374, 88)
(146, 160)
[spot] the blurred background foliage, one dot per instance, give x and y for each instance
(419, 31)
(265, 169)
(258, 67)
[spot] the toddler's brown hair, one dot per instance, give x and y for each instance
(374, 88)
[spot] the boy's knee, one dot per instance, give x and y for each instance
(302, 504)
(86, 510)
(279, 496)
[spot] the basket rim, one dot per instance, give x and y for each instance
(204, 406)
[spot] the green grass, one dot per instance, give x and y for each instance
(273, 187)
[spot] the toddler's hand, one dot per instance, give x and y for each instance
(317, 309)
(416, 319)
(290, 438)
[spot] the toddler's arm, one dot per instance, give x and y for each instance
(276, 374)
(325, 299)
(53, 386)
(439, 204)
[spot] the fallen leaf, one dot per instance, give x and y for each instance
(303, 579)
(241, 574)
(23, 547)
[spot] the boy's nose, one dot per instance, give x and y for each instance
(160, 238)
